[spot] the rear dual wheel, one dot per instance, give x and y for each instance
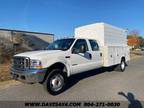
(121, 67)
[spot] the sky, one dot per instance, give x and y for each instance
(60, 17)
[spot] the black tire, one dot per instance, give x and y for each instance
(55, 82)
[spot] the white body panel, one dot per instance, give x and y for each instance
(48, 57)
(112, 55)
(112, 40)
(106, 34)
(81, 62)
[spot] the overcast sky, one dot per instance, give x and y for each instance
(60, 17)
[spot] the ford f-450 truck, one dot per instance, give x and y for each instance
(94, 46)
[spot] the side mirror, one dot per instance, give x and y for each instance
(87, 55)
(75, 51)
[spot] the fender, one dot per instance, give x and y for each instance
(59, 60)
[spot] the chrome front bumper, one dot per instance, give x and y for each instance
(28, 76)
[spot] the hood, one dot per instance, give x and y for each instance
(39, 54)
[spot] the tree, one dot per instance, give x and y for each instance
(141, 41)
(1, 55)
(134, 33)
(5, 50)
(17, 38)
(133, 39)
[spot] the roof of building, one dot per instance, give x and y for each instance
(26, 31)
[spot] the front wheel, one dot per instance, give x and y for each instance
(55, 82)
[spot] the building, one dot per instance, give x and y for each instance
(7, 33)
(34, 40)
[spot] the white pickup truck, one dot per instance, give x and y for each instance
(94, 46)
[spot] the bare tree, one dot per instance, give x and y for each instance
(134, 33)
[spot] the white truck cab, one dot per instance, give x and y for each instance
(89, 49)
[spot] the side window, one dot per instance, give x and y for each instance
(80, 46)
(94, 45)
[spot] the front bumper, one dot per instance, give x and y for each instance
(28, 76)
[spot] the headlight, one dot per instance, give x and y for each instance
(36, 64)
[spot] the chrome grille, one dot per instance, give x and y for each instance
(21, 63)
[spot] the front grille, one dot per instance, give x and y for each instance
(21, 63)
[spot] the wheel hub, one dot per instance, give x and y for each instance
(56, 82)
(122, 65)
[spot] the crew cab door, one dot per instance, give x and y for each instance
(80, 57)
(97, 59)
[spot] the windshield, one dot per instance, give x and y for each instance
(62, 44)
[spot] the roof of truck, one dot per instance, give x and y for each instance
(101, 23)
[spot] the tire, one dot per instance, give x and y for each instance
(55, 82)
(121, 67)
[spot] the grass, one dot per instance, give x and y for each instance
(4, 72)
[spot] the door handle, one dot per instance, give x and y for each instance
(67, 56)
(90, 56)
(101, 54)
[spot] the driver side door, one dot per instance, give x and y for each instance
(80, 61)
